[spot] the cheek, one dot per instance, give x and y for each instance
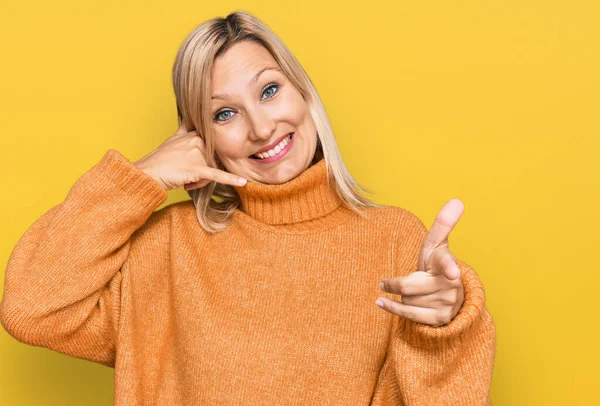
(294, 108)
(227, 143)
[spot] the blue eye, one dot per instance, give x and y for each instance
(221, 112)
(273, 85)
(219, 117)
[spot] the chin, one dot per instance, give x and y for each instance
(283, 172)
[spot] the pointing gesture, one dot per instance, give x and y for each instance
(181, 161)
(434, 293)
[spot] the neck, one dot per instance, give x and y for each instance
(308, 196)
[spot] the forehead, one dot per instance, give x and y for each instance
(238, 65)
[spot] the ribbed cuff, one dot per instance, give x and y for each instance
(455, 332)
(131, 180)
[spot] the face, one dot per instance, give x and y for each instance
(255, 107)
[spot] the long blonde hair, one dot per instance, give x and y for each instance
(215, 203)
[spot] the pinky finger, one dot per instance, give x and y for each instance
(417, 314)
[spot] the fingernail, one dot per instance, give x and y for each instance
(381, 285)
(242, 181)
(379, 303)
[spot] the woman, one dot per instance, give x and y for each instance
(254, 292)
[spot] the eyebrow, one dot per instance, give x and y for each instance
(253, 81)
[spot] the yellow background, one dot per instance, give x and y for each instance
(494, 103)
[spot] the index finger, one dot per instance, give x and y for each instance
(222, 177)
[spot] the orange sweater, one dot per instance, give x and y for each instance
(278, 309)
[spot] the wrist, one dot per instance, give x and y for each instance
(142, 167)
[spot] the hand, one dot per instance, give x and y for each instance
(434, 293)
(180, 161)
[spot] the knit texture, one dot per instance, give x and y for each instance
(278, 309)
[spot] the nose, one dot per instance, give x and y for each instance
(262, 126)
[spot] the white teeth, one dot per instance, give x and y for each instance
(276, 150)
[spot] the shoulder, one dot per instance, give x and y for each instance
(396, 218)
(162, 220)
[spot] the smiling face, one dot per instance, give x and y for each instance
(253, 106)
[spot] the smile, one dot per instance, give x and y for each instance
(276, 153)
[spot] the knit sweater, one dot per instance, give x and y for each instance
(277, 309)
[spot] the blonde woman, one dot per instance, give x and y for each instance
(263, 288)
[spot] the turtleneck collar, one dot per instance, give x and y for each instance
(308, 196)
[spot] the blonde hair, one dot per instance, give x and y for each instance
(215, 203)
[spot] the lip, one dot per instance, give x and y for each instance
(270, 146)
(278, 156)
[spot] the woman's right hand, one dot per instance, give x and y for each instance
(179, 161)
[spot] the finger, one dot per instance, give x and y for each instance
(445, 297)
(443, 263)
(416, 283)
(182, 129)
(220, 176)
(444, 223)
(414, 313)
(196, 185)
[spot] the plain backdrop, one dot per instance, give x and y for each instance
(494, 103)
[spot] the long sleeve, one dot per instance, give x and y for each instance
(62, 285)
(446, 365)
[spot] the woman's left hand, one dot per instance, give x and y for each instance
(434, 293)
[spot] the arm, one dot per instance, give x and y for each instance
(449, 364)
(62, 285)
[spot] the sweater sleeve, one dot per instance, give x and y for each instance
(449, 364)
(62, 285)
